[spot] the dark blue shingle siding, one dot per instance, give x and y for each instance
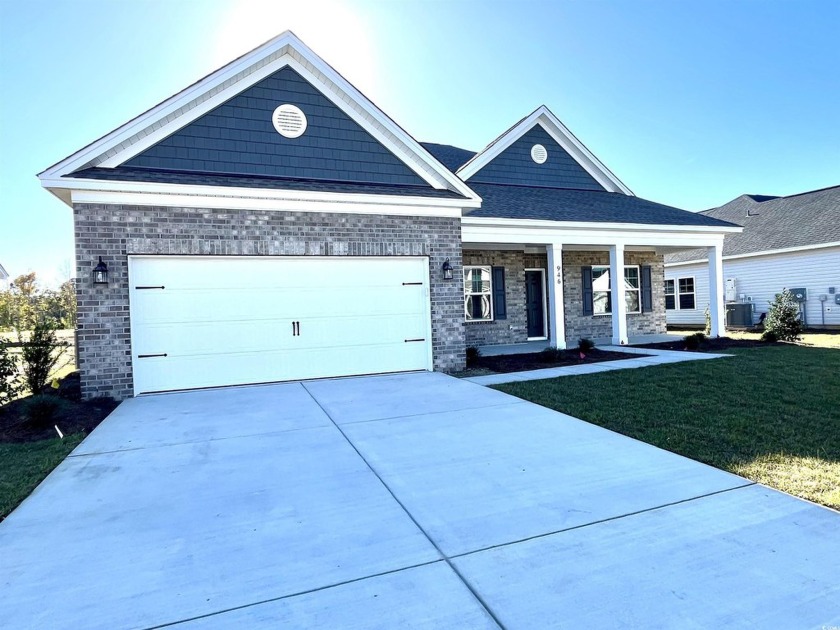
(238, 138)
(515, 166)
(557, 204)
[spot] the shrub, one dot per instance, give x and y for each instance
(9, 377)
(40, 355)
(769, 336)
(585, 345)
(693, 342)
(783, 318)
(550, 355)
(473, 354)
(41, 410)
(708, 328)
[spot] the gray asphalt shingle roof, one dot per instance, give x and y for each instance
(560, 204)
(133, 174)
(451, 157)
(772, 223)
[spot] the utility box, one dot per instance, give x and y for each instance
(800, 294)
(739, 315)
(731, 290)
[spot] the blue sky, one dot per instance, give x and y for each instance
(688, 103)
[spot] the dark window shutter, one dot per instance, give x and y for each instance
(586, 274)
(647, 289)
(499, 302)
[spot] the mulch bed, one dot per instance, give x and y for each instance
(507, 363)
(34, 418)
(707, 345)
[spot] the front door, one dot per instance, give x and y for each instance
(534, 303)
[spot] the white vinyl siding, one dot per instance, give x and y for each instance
(762, 277)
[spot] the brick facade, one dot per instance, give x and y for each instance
(598, 326)
(514, 329)
(116, 231)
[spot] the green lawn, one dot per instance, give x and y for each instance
(24, 465)
(771, 414)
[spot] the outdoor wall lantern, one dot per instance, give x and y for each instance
(447, 270)
(100, 273)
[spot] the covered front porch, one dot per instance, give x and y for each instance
(530, 285)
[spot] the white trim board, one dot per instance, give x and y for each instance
(346, 204)
(769, 252)
(543, 117)
(284, 50)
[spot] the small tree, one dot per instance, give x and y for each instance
(9, 377)
(782, 321)
(40, 355)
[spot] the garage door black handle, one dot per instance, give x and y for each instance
(295, 329)
(410, 340)
(149, 356)
(141, 288)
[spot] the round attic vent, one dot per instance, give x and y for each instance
(289, 121)
(539, 154)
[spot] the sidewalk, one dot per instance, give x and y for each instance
(649, 357)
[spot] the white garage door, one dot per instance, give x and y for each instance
(211, 321)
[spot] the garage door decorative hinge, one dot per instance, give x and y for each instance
(411, 340)
(141, 288)
(149, 356)
(412, 284)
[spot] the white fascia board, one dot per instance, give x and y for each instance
(561, 134)
(252, 199)
(590, 234)
(768, 252)
(586, 225)
(285, 50)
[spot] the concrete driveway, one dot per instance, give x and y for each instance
(401, 501)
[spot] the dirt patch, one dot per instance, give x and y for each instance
(507, 363)
(34, 418)
(707, 345)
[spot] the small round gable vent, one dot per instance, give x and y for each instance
(289, 121)
(539, 154)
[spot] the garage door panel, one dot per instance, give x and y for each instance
(172, 305)
(225, 321)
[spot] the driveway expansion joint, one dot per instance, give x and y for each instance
(215, 613)
(442, 555)
(604, 520)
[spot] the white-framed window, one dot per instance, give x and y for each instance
(685, 287)
(670, 295)
(478, 294)
(680, 294)
(601, 292)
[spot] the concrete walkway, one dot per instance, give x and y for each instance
(401, 501)
(654, 357)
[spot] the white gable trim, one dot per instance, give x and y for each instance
(561, 135)
(285, 50)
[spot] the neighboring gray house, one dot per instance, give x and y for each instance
(270, 223)
(788, 242)
(4, 279)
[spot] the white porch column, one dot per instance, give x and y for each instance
(717, 308)
(556, 317)
(619, 304)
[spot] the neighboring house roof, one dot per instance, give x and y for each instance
(560, 204)
(160, 125)
(451, 157)
(3, 273)
(775, 223)
(133, 174)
